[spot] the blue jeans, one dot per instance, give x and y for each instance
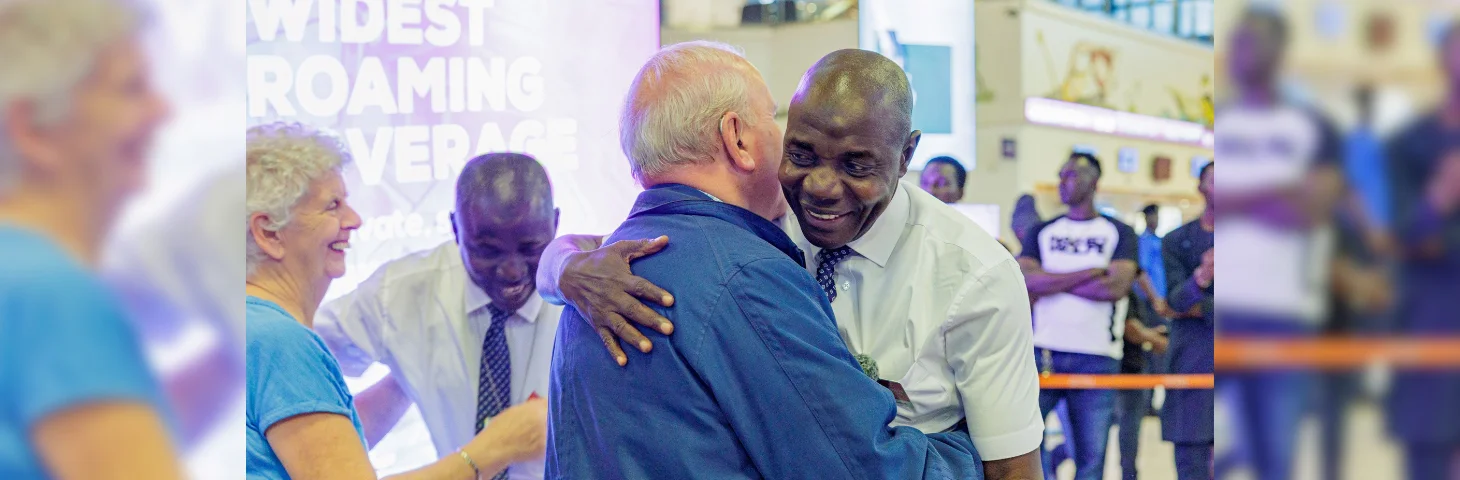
(1193, 461)
(1092, 411)
(1268, 404)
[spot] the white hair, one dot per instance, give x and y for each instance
(283, 160)
(47, 48)
(672, 113)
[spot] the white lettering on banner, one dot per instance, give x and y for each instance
(352, 30)
(269, 15)
(424, 154)
(322, 86)
(400, 22)
(449, 146)
(371, 89)
(306, 91)
(269, 81)
(411, 155)
(445, 26)
(419, 82)
(399, 225)
(400, 17)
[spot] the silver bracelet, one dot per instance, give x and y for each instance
(469, 462)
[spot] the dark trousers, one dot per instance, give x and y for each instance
(1424, 460)
(1193, 461)
(1340, 389)
(1091, 411)
(1131, 408)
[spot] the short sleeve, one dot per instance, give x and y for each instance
(351, 326)
(68, 343)
(1029, 244)
(1127, 245)
(290, 372)
(987, 347)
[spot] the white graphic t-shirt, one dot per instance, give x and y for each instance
(1066, 322)
(1273, 271)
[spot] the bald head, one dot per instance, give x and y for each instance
(849, 139)
(508, 184)
(504, 219)
(858, 83)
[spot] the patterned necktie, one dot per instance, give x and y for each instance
(495, 386)
(826, 269)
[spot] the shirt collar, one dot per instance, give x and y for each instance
(881, 239)
(676, 199)
(477, 299)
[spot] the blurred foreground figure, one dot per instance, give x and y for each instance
(1280, 183)
(77, 113)
(1426, 174)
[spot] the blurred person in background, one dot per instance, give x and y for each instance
(1278, 197)
(944, 178)
(1189, 255)
(77, 116)
(1425, 162)
(1362, 294)
(1079, 268)
(1145, 341)
(474, 297)
(302, 422)
(1368, 176)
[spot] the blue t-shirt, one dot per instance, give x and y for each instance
(64, 343)
(290, 372)
(1153, 264)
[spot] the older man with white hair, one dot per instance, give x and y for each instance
(77, 113)
(756, 382)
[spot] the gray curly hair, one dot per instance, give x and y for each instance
(283, 160)
(48, 47)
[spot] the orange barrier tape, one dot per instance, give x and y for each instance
(1124, 382)
(1336, 353)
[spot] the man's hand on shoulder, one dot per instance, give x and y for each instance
(600, 284)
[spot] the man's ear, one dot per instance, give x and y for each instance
(269, 241)
(557, 215)
(907, 151)
(732, 136)
(26, 138)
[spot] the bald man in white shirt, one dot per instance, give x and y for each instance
(461, 325)
(938, 303)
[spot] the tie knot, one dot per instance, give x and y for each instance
(498, 315)
(830, 258)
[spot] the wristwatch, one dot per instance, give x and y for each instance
(1148, 346)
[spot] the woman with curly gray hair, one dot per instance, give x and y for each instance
(302, 421)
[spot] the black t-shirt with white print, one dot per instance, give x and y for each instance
(1066, 322)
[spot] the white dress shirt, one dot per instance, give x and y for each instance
(941, 305)
(423, 317)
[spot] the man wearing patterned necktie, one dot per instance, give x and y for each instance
(461, 326)
(938, 303)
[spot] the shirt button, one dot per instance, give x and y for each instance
(846, 286)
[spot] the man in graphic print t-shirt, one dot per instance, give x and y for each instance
(1079, 268)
